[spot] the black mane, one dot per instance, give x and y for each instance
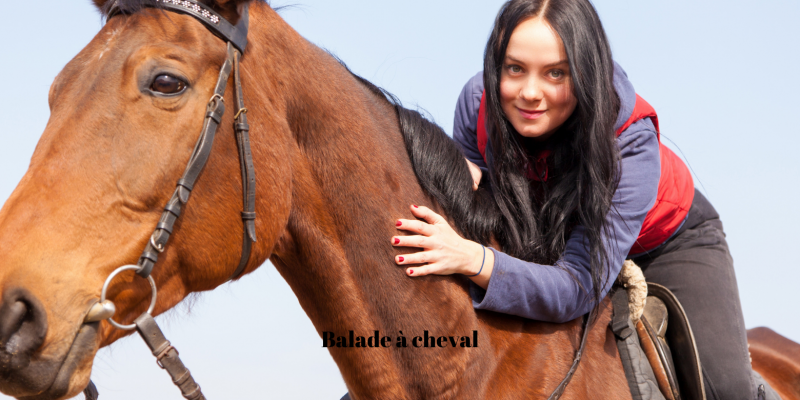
(443, 173)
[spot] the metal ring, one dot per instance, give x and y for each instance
(152, 298)
(159, 248)
(241, 110)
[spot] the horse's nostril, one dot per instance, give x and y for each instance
(23, 325)
(11, 320)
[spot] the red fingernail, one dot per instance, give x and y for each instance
(401, 259)
(415, 206)
(396, 241)
(411, 272)
(399, 223)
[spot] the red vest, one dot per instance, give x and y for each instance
(675, 188)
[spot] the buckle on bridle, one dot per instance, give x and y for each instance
(240, 112)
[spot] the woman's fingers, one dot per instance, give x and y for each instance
(423, 242)
(476, 173)
(444, 252)
(421, 270)
(432, 268)
(415, 226)
(422, 257)
(428, 215)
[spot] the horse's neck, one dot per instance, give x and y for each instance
(351, 179)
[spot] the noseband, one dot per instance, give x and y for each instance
(236, 38)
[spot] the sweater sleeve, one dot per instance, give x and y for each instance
(563, 292)
(466, 120)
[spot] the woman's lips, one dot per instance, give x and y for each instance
(530, 114)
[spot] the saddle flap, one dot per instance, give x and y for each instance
(655, 311)
(681, 340)
(660, 358)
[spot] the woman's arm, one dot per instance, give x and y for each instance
(466, 120)
(555, 293)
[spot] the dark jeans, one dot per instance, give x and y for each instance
(696, 265)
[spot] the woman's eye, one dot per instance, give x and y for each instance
(514, 69)
(167, 84)
(556, 73)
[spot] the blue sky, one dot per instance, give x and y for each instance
(722, 76)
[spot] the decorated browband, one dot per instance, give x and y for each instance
(236, 34)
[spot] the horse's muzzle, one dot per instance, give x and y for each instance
(24, 372)
(23, 325)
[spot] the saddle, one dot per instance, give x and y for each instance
(661, 359)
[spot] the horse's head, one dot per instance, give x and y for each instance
(125, 115)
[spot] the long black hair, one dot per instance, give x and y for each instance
(584, 165)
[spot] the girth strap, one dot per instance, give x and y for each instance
(619, 321)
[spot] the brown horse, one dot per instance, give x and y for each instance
(333, 176)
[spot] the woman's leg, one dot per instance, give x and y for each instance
(697, 267)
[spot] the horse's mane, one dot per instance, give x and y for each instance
(442, 171)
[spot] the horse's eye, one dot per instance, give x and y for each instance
(167, 84)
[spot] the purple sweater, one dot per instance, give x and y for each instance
(548, 292)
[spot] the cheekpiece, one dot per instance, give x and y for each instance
(219, 26)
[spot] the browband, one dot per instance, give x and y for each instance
(214, 22)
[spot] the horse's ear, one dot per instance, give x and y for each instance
(229, 9)
(102, 5)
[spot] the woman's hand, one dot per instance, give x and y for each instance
(445, 252)
(476, 173)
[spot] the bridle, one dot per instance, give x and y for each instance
(166, 355)
(236, 38)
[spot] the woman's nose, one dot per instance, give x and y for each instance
(531, 91)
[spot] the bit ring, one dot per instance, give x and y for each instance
(152, 298)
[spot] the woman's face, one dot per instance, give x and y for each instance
(535, 84)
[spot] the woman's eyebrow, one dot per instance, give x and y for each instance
(557, 63)
(515, 60)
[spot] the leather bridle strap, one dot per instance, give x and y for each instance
(217, 24)
(202, 149)
(236, 37)
(167, 357)
(242, 129)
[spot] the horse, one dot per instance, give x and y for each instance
(337, 163)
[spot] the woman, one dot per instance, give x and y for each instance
(574, 162)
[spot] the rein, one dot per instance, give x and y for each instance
(587, 320)
(236, 37)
